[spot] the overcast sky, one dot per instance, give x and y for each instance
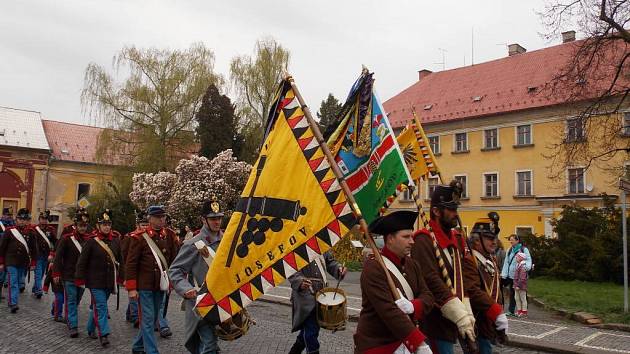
(46, 45)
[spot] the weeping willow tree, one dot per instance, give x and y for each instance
(148, 102)
(255, 79)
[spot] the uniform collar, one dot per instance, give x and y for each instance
(102, 236)
(155, 233)
(443, 240)
(392, 257)
(211, 237)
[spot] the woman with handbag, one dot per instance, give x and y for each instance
(98, 269)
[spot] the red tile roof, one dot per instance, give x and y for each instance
(489, 88)
(72, 142)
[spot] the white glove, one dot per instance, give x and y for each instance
(455, 311)
(403, 304)
(501, 322)
(469, 310)
(424, 349)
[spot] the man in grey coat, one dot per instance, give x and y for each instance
(188, 274)
(305, 284)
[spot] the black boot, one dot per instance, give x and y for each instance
(297, 348)
(104, 341)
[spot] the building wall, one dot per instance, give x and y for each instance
(21, 174)
(548, 194)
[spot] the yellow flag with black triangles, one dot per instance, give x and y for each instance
(290, 212)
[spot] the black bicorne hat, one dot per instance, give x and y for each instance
(392, 222)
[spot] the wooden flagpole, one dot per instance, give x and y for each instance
(344, 186)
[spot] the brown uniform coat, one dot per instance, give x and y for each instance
(94, 267)
(13, 253)
(423, 252)
(141, 269)
(382, 325)
(67, 255)
(485, 308)
(42, 246)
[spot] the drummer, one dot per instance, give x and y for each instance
(305, 284)
(387, 325)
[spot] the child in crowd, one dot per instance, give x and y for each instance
(520, 285)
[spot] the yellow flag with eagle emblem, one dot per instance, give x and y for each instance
(290, 212)
(416, 151)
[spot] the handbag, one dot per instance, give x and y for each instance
(165, 283)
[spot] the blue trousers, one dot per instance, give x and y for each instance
(309, 333)
(73, 295)
(14, 278)
(56, 309)
(149, 304)
(439, 346)
(485, 346)
(97, 319)
(132, 310)
(207, 339)
(162, 322)
(40, 271)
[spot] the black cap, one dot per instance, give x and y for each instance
(23, 214)
(447, 196)
(156, 210)
(141, 217)
(211, 208)
(7, 211)
(392, 222)
(45, 215)
(81, 216)
(104, 216)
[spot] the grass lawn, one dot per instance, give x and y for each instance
(603, 299)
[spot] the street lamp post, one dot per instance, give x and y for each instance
(624, 185)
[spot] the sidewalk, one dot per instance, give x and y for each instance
(541, 331)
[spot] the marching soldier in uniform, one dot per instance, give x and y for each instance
(304, 285)
(64, 266)
(188, 273)
(150, 253)
(132, 307)
(98, 269)
(5, 221)
(387, 325)
(18, 252)
(444, 275)
(46, 238)
(482, 282)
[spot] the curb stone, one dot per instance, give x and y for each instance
(536, 344)
(582, 317)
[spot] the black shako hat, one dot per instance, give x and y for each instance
(447, 196)
(45, 215)
(104, 216)
(392, 222)
(211, 208)
(81, 216)
(141, 216)
(156, 210)
(23, 214)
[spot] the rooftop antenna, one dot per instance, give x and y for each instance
(443, 62)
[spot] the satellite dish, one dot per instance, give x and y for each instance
(589, 187)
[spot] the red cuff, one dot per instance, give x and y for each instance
(418, 309)
(51, 254)
(34, 263)
(56, 274)
(45, 288)
(493, 312)
(79, 282)
(131, 284)
(414, 340)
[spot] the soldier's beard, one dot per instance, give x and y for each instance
(447, 224)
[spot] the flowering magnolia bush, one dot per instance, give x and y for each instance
(195, 180)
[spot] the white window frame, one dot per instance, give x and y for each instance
(467, 195)
(439, 144)
(531, 134)
(426, 189)
(466, 148)
(76, 191)
(531, 228)
(483, 184)
(531, 182)
(483, 138)
(568, 188)
(625, 130)
(566, 130)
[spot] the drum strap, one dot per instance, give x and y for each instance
(403, 282)
(320, 264)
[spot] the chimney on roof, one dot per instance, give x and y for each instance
(423, 73)
(568, 36)
(515, 48)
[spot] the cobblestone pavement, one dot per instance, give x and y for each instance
(32, 330)
(540, 327)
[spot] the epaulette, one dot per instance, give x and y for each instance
(137, 233)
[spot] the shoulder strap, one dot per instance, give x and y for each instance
(319, 261)
(2, 226)
(76, 243)
(18, 236)
(159, 257)
(111, 257)
(199, 244)
(41, 233)
(403, 282)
